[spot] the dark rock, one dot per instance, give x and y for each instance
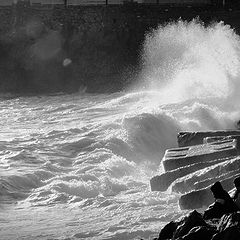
(231, 233)
(229, 220)
(192, 220)
(168, 231)
(199, 233)
(175, 230)
(228, 227)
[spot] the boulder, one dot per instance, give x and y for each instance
(180, 157)
(196, 199)
(195, 138)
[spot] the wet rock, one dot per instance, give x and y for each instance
(199, 233)
(168, 231)
(191, 226)
(228, 227)
(192, 220)
(195, 138)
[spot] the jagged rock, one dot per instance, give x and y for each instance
(199, 233)
(228, 227)
(194, 138)
(168, 231)
(163, 181)
(176, 230)
(192, 220)
(229, 220)
(180, 157)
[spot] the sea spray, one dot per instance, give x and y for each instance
(187, 60)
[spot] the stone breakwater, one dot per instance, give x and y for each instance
(201, 159)
(93, 49)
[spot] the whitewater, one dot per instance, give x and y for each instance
(78, 166)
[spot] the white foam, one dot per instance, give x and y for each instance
(186, 60)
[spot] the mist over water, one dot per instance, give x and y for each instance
(78, 166)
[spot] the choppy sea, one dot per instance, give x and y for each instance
(78, 166)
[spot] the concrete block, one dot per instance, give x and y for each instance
(210, 181)
(194, 138)
(188, 183)
(180, 157)
(196, 199)
(220, 138)
(163, 181)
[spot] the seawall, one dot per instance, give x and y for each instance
(97, 49)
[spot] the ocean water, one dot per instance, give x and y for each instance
(78, 166)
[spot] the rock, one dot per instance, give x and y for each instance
(203, 197)
(189, 182)
(199, 233)
(229, 220)
(194, 138)
(168, 231)
(163, 181)
(192, 220)
(196, 199)
(232, 233)
(215, 139)
(176, 230)
(229, 176)
(180, 157)
(228, 227)
(221, 138)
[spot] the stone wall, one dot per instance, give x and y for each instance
(93, 48)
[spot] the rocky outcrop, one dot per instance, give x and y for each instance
(194, 227)
(202, 159)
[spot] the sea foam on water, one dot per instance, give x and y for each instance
(78, 166)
